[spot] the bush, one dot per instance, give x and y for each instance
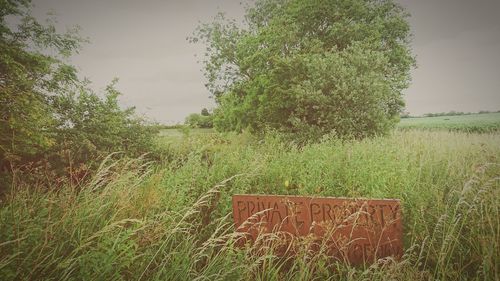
(52, 126)
(196, 120)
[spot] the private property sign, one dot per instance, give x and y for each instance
(353, 230)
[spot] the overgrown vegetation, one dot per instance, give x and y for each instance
(53, 127)
(83, 202)
(137, 221)
(202, 120)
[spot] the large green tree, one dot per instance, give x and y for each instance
(308, 68)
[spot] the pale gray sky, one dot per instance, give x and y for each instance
(143, 43)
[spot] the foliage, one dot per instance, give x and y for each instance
(184, 131)
(309, 67)
(405, 114)
(196, 120)
(172, 221)
(49, 119)
(205, 112)
(90, 127)
(26, 78)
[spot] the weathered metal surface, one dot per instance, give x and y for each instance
(352, 230)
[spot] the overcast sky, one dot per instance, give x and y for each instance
(143, 43)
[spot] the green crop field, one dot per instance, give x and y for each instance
(487, 122)
(171, 220)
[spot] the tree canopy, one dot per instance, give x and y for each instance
(309, 68)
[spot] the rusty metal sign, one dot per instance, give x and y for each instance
(353, 230)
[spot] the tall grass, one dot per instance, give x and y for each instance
(170, 221)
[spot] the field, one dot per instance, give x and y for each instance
(169, 220)
(92, 190)
(178, 133)
(487, 122)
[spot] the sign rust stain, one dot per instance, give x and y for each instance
(354, 230)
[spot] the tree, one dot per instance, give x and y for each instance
(204, 112)
(48, 117)
(308, 68)
(195, 120)
(29, 78)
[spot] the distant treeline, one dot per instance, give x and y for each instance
(176, 126)
(204, 119)
(450, 113)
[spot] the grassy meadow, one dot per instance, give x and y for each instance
(90, 190)
(170, 219)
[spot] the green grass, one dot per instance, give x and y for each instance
(171, 220)
(488, 122)
(176, 133)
